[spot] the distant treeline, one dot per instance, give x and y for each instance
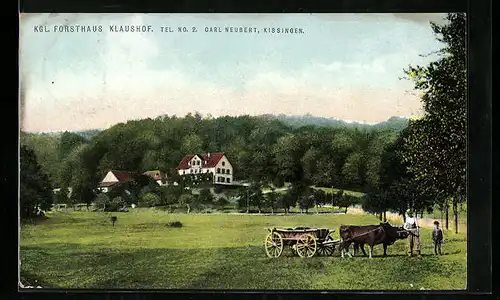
(260, 148)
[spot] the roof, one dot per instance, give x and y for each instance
(107, 184)
(152, 173)
(124, 175)
(211, 160)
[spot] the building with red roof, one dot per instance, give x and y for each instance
(114, 178)
(215, 163)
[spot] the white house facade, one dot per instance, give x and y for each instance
(214, 163)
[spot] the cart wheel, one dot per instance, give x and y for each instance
(274, 244)
(326, 249)
(306, 246)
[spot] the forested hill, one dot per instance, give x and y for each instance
(87, 134)
(395, 123)
(260, 148)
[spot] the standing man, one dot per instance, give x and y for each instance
(412, 226)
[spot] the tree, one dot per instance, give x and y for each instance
(170, 194)
(101, 201)
(436, 145)
(67, 142)
(286, 201)
(256, 197)
(45, 148)
(192, 144)
(61, 196)
(149, 200)
(35, 187)
(190, 201)
(320, 198)
(346, 200)
(271, 200)
(221, 202)
(206, 197)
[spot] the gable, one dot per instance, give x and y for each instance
(224, 163)
(110, 177)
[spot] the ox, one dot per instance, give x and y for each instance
(384, 234)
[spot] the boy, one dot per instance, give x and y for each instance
(437, 238)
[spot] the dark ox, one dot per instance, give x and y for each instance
(372, 235)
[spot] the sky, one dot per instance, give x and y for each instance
(344, 66)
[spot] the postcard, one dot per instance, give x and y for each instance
(243, 151)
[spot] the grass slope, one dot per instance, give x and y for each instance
(83, 250)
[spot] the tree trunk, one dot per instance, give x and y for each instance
(380, 216)
(188, 207)
(385, 216)
(455, 212)
(446, 213)
(272, 210)
(404, 216)
(346, 210)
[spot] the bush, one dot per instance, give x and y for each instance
(218, 189)
(149, 200)
(101, 201)
(104, 203)
(221, 202)
(176, 224)
(116, 204)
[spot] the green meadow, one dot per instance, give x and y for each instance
(219, 251)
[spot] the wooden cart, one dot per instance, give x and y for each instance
(302, 241)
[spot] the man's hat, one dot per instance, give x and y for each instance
(436, 223)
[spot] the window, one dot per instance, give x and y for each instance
(228, 180)
(196, 171)
(221, 179)
(190, 170)
(223, 163)
(184, 172)
(227, 171)
(198, 162)
(223, 171)
(218, 170)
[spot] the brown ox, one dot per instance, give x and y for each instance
(384, 234)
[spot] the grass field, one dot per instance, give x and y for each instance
(83, 250)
